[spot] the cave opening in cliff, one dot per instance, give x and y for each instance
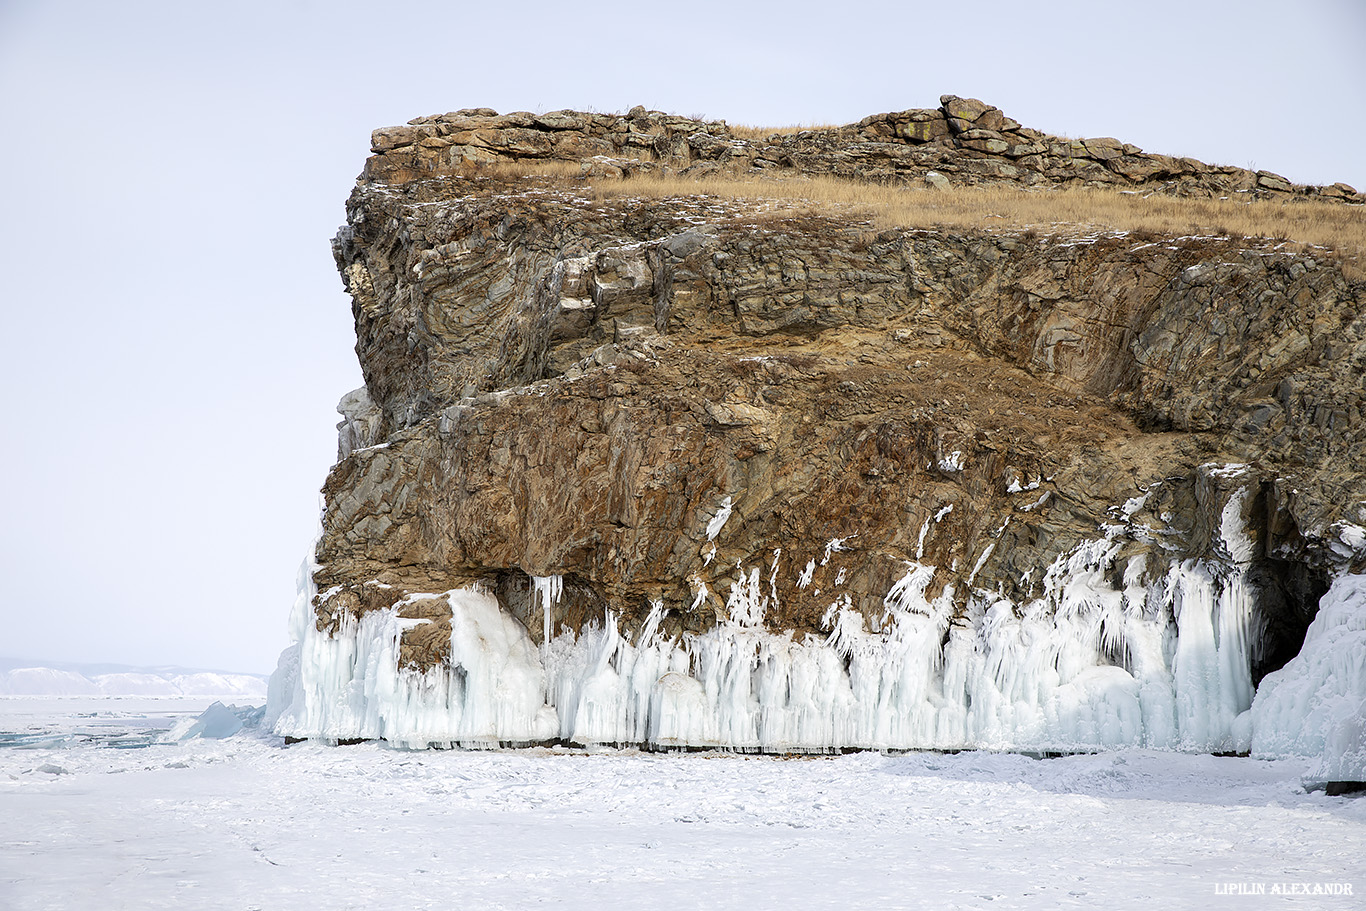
(1289, 600)
(1289, 586)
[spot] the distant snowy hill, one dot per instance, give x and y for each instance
(17, 679)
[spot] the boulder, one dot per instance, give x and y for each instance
(1268, 181)
(968, 109)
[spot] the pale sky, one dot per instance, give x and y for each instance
(176, 336)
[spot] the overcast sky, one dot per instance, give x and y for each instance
(176, 337)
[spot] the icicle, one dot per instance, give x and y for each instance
(920, 543)
(719, 520)
(546, 590)
(491, 692)
(1156, 662)
(835, 546)
(700, 595)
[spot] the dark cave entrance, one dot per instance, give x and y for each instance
(1289, 581)
(1288, 595)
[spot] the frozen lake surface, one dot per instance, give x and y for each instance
(247, 822)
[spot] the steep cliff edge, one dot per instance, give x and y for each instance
(963, 142)
(699, 470)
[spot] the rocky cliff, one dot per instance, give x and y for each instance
(963, 141)
(698, 471)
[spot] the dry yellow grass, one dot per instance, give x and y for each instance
(740, 131)
(1339, 227)
(525, 167)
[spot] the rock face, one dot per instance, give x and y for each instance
(962, 142)
(699, 471)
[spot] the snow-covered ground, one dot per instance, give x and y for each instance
(247, 822)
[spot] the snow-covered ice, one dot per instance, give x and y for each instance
(247, 822)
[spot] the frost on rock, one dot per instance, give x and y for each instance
(1315, 706)
(1156, 662)
(1349, 540)
(952, 463)
(719, 520)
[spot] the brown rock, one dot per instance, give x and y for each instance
(1138, 168)
(923, 130)
(968, 109)
(979, 133)
(809, 390)
(387, 138)
(1021, 149)
(991, 119)
(577, 146)
(883, 147)
(1268, 181)
(563, 120)
(993, 146)
(1103, 149)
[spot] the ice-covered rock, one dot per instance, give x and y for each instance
(1162, 662)
(1315, 706)
(350, 684)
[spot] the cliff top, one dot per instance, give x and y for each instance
(986, 170)
(965, 141)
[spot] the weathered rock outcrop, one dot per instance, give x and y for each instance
(722, 438)
(962, 142)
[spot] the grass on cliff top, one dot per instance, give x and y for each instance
(756, 134)
(1339, 227)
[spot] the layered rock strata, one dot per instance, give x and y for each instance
(701, 471)
(963, 142)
